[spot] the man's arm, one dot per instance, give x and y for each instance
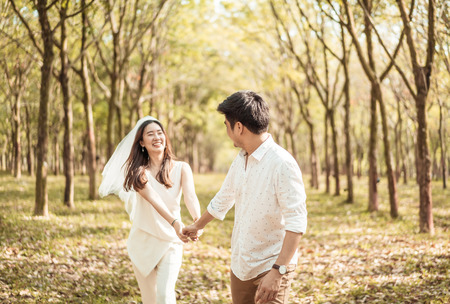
(218, 207)
(270, 284)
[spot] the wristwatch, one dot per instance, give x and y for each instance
(281, 268)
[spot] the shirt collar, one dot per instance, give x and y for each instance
(259, 153)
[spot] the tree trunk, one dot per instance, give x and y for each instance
(41, 198)
(120, 129)
(398, 143)
(30, 155)
(392, 185)
(442, 146)
(56, 161)
(348, 144)
(314, 158)
(423, 159)
(87, 102)
(111, 113)
(360, 157)
(68, 151)
(335, 152)
(3, 157)
(422, 79)
(114, 76)
(327, 160)
(372, 154)
(17, 166)
(89, 116)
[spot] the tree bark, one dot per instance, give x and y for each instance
(17, 166)
(56, 160)
(112, 109)
(392, 184)
(68, 150)
(442, 146)
(327, 160)
(41, 198)
(335, 152)
(87, 103)
(30, 153)
(422, 79)
(303, 98)
(313, 158)
(376, 96)
(424, 178)
(372, 155)
(348, 144)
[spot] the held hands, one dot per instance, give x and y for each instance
(178, 226)
(268, 288)
(192, 232)
(186, 233)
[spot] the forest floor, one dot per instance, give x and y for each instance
(348, 255)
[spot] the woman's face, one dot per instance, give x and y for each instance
(153, 139)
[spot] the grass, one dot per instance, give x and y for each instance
(348, 255)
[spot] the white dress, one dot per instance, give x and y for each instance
(151, 235)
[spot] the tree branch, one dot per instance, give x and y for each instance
(351, 29)
(408, 31)
(139, 35)
(30, 32)
(292, 50)
(392, 58)
(315, 30)
(51, 4)
(17, 42)
(97, 43)
(97, 79)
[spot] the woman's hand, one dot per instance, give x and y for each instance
(178, 226)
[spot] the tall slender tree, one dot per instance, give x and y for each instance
(368, 64)
(48, 56)
(422, 71)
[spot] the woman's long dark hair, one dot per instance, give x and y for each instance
(137, 162)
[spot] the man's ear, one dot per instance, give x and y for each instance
(240, 127)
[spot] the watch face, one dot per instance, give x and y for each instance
(282, 269)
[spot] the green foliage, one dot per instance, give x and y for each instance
(347, 255)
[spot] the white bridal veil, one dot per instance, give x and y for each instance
(114, 171)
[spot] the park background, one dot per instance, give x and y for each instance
(358, 92)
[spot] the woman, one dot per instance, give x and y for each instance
(144, 174)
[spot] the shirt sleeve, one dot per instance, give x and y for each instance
(225, 198)
(291, 196)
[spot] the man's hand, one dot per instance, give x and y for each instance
(178, 226)
(268, 288)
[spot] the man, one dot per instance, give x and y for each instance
(265, 184)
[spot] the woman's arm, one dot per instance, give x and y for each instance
(151, 196)
(190, 198)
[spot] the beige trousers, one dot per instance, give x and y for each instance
(243, 292)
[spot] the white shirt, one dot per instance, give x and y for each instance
(269, 198)
(151, 235)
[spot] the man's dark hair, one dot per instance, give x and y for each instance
(248, 108)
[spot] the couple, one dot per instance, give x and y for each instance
(264, 183)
